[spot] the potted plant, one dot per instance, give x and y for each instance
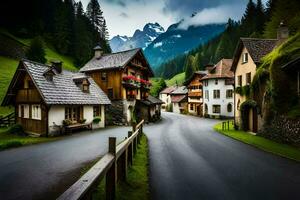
(96, 122)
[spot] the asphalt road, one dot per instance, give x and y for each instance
(44, 171)
(188, 160)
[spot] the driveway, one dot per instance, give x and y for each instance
(189, 160)
(46, 170)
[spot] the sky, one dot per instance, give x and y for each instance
(123, 17)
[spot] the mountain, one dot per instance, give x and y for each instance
(117, 42)
(177, 41)
(140, 38)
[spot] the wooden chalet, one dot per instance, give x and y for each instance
(124, 77)
(195, 93)
(48, 99)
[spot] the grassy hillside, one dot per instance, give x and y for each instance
(179, 78)
(8, 67)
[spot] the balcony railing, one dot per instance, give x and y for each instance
(134, 82)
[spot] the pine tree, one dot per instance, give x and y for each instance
(95, 14)
(105, 34)
(260, 17)
(248, 19)
(36, 51)
(189, 67)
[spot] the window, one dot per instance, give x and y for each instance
(103, 76)
(206, 94)
(110, 93)
(248, 78)
(245, 57)
(36, 112)
(24, 111)
(73, 113)
(216, 81)
(229, 107)
(85, 88)
(216, 94)
(191, 106)
(229, 93)
(216, 109)
(97, 111)
(240, 80)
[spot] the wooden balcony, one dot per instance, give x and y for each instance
(195, 94)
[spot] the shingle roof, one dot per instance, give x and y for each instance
(220, 70)
(180, 90)
(63, 90)
(152, 101)
(108, 61)
(168, 90)
(257, 48)
(178, 98)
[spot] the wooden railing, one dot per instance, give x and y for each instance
(7, 120)
(112, 166)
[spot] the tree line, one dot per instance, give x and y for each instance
(64, 24)
(258, 21)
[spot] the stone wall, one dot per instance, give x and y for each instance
(282, 129)
(115, 113)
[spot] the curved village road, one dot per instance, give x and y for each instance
(44, 171)
(188, 160)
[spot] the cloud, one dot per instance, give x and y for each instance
(124, 15)
(214, 15)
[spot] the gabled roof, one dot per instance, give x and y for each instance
(151, 101)
(62, 89)
(113, 61)
(168, 90)
(256, 47)
(196, 73)
(220, 70)
(180, 90)
(178, 98)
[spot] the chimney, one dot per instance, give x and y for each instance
(98, 52)
(57, 65)
(282, 32)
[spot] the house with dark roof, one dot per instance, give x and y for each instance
(195, 93)
(179, 100)
(48, 99)
(218, 90)
(124, 77)
(165, 96)
(149, 109)
(247, 58)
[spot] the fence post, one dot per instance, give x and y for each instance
(111, 174)
(130, 149)
(228, 124)
(133, 127)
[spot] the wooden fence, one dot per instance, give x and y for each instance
(7, 120)
(112, 166)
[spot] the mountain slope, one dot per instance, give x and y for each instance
(140, 39)
(177, 41)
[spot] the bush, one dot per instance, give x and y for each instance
(36, 51)
(96, 120)
(238, 90)
(67, 122)
(16, 129)
(82, 121)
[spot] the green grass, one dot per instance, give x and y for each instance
(8, 140)
(179, 78)
(283, 150)
(136, 186)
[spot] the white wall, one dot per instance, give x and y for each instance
(176, 108)
(223, 101)
(166, 99)
(56, 115)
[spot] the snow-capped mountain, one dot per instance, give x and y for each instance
(176, 41)
(140, 38)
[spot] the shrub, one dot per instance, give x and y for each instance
(82, 121)
(96, 120)
(238, 90)
(16, 129)
(67, 122)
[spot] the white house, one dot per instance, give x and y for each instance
(218, 86)
(165, 96)
(179, 100)
(48, 99)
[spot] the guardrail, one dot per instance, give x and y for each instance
(112, 166)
